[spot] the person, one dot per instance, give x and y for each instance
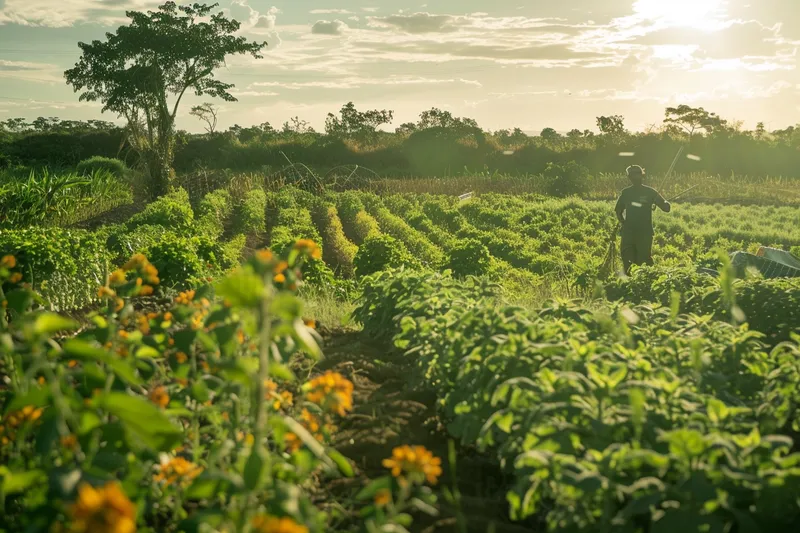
(634, 211)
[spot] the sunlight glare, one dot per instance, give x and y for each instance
(701, 14)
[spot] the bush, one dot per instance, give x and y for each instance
(469, 258)
(251, 214)
(339, 250)
(213, 212)
(172, 211)
(122, 242)
(177, 260)
(66, 266)
(567, 179)
(380, 252)
(88, 167)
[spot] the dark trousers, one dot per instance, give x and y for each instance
(636, 249)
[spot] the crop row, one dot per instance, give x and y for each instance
(626, 419)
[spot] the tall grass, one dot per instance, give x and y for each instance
(45, 198)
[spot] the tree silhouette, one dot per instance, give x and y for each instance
(207, 113)
(353, 124)
(613, 125)
(693, 119)
(143, 71)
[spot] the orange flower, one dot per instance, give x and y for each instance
(119, 303)
(159, 396)
(279, 278)
(383, 497)
(312, 424)
(248, 438)
(309, 247)
(168, 316)
(72, 363)
(265, 255)
(104, 510)
(185, 298)
(310, 323)
(272, 524)
(332, 392)
(181, 357)
(143, 324)
(106, 292)
(117, 277)
(16, 277)
(414, 461)
(280, 267)
(8, 261)
(177, 470)
(146, 290)
(135, 262)
(68, 441)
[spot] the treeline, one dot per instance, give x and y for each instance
(438, 144)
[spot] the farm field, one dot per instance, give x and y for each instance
(548, 393)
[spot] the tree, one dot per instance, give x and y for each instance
(436, 118)
(549, 134)
(142, 72)
(354, 124)
(575, 134)
(297, 125)
(761, 131)
(207, 113)
(613, 125)
(406, 129)
(693, 119)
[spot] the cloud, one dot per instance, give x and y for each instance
(325, 27)
(356, 83)
(13, 66)
(417, 23)
(330, 12)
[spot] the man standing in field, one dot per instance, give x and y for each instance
(637, 203)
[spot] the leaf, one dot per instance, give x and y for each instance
(306, 340)
(14, 482)
(206, 485)
(78, 349)
(423, 507)
(717, 410)
(242, 289)
(254, 468)
(282, 372)
(142, 420)
(341, 461)
(147, 352)
(35, 397)
(373, 487)
(49, 323)
(302, 433)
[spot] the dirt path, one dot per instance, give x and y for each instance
(388, 413)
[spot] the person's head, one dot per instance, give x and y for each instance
(635, 174)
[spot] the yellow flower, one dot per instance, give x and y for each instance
(310, 323)
(248, 439)
(383, 497)
(144, 324)
(117, 277)
(332, 392)
(307, 246)
(16, 277)
(119, 303)
(181, 357)
(272, 524)
(8, 261)
(280, 267)
(151, 274)
(174, 470)
(72, 363)
(311, 424)
(104, 510)
(279, 278)
(265, 255)
(146, 290)
(167, 316)
(414, 461)
(105, 291)
(135, 262)
(159, 396)
(185, 298)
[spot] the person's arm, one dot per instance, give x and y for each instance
(661, 202)
(619, 210)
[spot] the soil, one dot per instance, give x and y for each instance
(388, 412)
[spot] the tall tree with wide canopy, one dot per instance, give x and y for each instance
(143, 71)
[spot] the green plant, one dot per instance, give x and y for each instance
(379, 252)
(250, 216)
(172, 211)
(566, 179)
(469, 258)
(89, 167)
(182, 261)
(213, 212)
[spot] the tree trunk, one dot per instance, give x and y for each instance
(159, 162)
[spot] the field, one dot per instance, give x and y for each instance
(383, 355)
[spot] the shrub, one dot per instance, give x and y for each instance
(251, 214)
(178, 262)
(566, 179)
(469, 258)
(88, 167)
(364, 226)
(213, 212)
(122, 242)
(66, 266)
(380, 252)
(339, 250)
(172, 211)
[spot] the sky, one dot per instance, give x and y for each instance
(506, 63)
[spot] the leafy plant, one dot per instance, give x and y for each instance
(380, 252)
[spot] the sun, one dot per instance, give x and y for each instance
(701, 14)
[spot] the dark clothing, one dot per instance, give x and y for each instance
(637, 201)
(636, 249)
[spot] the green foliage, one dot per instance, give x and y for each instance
(381, 252)
(115, 167)
(178, 262)
(634, 417)
(122, 242)
(250, 215)
(172, 211)
(65, 266)
(213, 212)
(469, 258)
(339, 251)
(569, 179)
